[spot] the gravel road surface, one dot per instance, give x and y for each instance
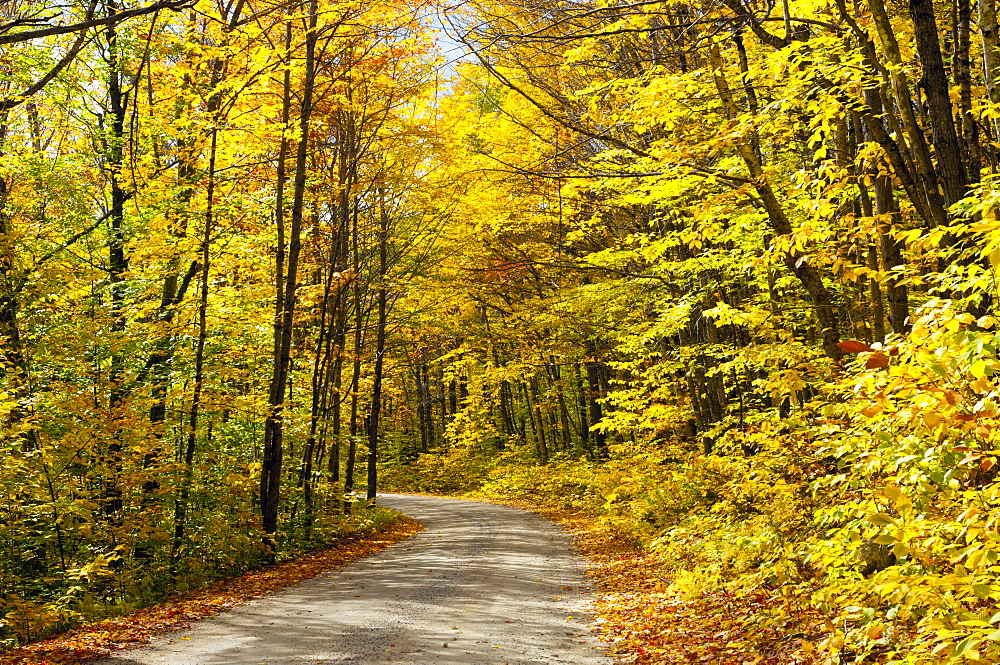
(481, 585)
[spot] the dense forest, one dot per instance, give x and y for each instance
(720, 275)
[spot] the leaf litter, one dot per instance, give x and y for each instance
(645, 622)
(106, 637)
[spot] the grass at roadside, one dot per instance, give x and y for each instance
(100, 639)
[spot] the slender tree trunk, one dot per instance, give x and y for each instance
(582, 408)
(891, 249)
(892, 256)
(273, 426)
(595, 411)
(564, 417)
(382, 302)
(875, 297)
(536, 420)
(114, 139)
(334, 390)
(963, 78)
(933, 205)
(346, 175)
(424, 408)
(182, 504)
(359, 323)
(443, 401)
(507, 409)
(951, 170)
(991, 54)
(318, 387)
(534, 423)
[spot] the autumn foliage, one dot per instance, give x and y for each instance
(190, 194)
(720, 276)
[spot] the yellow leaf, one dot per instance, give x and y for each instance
(873, 410)
(932, 419)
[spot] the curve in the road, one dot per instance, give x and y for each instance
(481, 585)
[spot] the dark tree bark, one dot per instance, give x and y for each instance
(564, 418)
(963, 78)
(541, 445)
(891, 249)
(360, 315)
(114, 140)
(951, 170)
(582, 410)
(595, 412)
(382, 304)
(273, 427)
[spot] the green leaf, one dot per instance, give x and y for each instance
(964, 647)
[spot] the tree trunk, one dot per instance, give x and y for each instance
(181, 505)
(273, 427)
(991, 54)
(595, 411)
(950, 169)
(582, 408)
(932, 206)
(798, 265)
(536, 420)
(359, 323)
(564, 417)
(117, 265)
(382, 301)
(963, 78)
(10, 333)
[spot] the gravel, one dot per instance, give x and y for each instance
(481, 585)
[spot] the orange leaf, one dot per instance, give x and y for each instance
(877, 360)
(853, 346)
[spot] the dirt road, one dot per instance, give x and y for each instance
(482, 585)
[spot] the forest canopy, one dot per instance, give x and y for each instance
(722, 276)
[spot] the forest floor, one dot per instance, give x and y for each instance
(646, 621)
(483, 584)
(100, 639)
